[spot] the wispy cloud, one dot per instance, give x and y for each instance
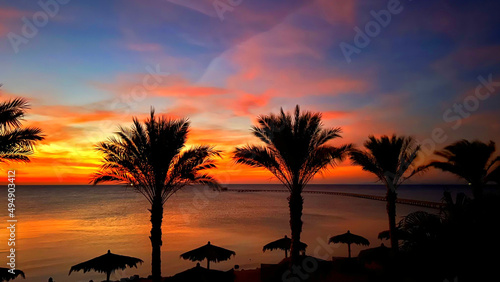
(80, 75)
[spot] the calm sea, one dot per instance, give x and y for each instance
(60, 226)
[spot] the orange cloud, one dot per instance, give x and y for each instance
(68, 157)
(74, 114)
(162, 86)
(186, 90)
(244, 104)
(334, 115)
(182, 111)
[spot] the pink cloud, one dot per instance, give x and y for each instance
(467, 58)
(8, 17)
(335, 12)
(178, 86)
(267, 61)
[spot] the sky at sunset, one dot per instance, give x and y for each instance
(431, 70)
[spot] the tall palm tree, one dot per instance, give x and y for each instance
(472, 161)
(295, 149)
(16, 142)
(389, 158)
(152, 157)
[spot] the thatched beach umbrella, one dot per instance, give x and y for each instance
(283, 244)
(106, 263)
(5, 275)
(349, 238)
(210, 253)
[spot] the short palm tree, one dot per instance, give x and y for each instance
(152, 157)
(389, 158)
(295, 149)
(421, 230)
(472, 161)
(16, 142)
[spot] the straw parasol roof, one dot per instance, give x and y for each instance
(349, 238)
(106, 263)
(283, 244)
(210, 253)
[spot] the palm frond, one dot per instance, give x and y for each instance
(151, 157)
(17, 144)
(493, 163)
(468, 160)
(262, 157)
(493, 176)
(367, 162)
(389, 158)
(12, 112)
(295, 147)
(320, 158)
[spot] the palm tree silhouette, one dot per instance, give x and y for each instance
(295, 149)
(471, 161)
(389, 158)
(421, 229)
(153, 158)
(16, 143)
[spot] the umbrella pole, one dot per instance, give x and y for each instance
(286, 253)
(349, 249)
(108, 274)
(208, 263)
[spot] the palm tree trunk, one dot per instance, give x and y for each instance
(391, 212)
(295, 203)
(156, 221)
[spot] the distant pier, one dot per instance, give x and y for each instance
(425, 204)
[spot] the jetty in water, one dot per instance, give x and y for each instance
(426, 204)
